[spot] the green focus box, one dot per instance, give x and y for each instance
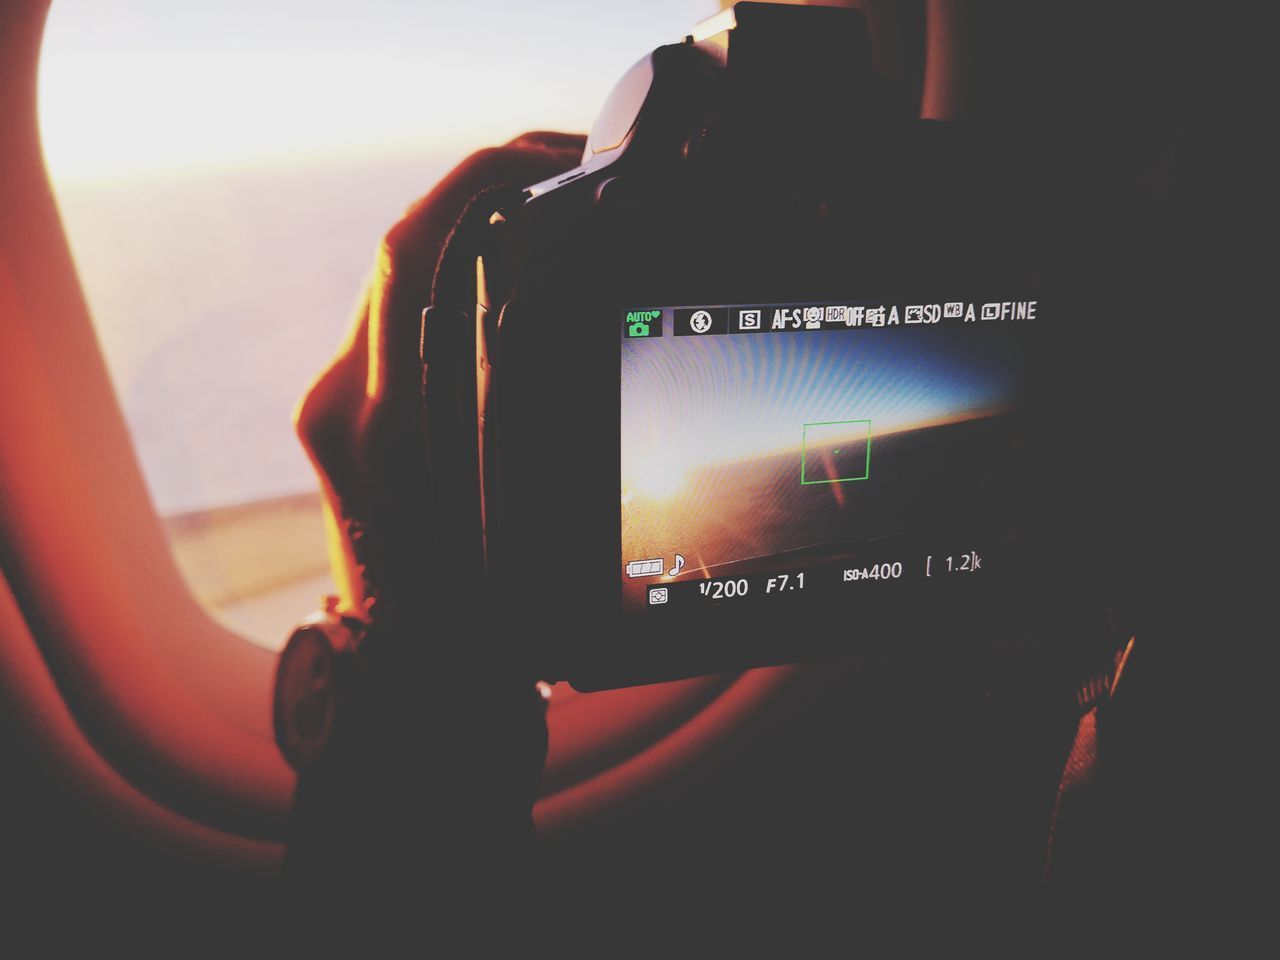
(835, 452)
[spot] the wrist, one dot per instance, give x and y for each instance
(388, 574)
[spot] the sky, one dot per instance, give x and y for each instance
(130, 88)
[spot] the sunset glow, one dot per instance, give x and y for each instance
(658, 475)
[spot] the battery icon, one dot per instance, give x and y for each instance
(646, 568)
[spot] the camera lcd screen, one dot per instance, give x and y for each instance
(775, 454)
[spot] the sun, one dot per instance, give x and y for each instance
(658, 476)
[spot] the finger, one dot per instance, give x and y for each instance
(327, 417)
(327, 422)
(407, 257)
(572, 143)
(333, 409)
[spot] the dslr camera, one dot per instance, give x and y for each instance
(749, 385)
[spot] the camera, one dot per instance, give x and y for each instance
(748, 386)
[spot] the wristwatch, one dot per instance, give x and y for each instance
(315, 674)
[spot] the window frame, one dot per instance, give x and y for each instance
(81, 546)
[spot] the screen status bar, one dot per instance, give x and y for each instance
(720, 320)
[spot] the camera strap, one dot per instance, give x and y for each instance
(448, 347)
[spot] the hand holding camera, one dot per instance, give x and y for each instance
(419, 748)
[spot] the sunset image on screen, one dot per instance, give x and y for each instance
(739, 449)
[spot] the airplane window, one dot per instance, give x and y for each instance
(224, 173)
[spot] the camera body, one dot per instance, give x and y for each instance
(749, 381)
